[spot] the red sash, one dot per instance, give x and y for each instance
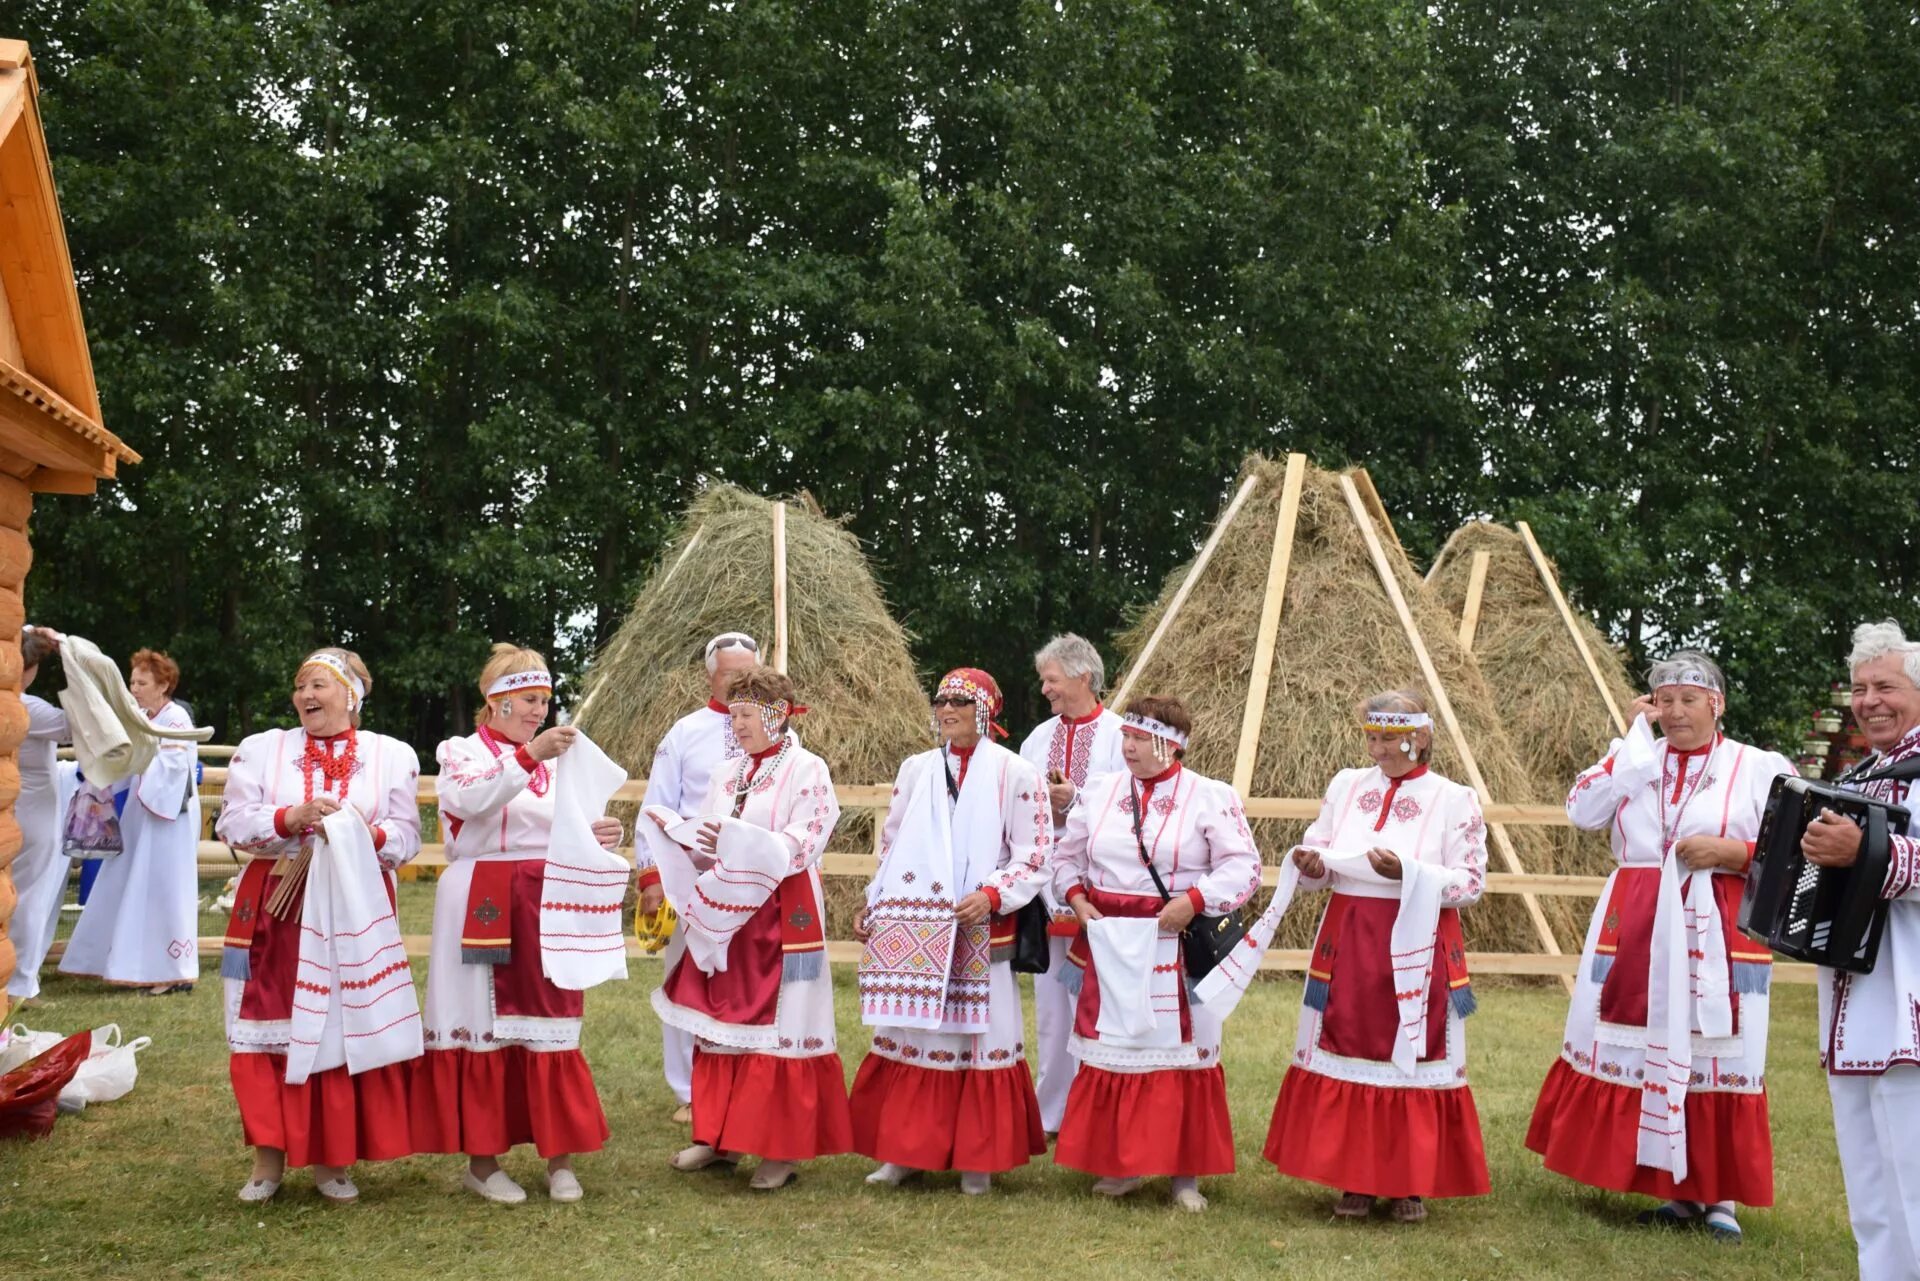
(486, 930)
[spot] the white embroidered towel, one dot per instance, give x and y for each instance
(1124, 949)
(584, 884)
(1413, 937)
(749, 864)
(1707, 954)
(1662, 1142)
(906, 968)
(1221, 990)
(353, 1002)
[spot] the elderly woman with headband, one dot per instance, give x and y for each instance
(302, 1100)
(964, 848)
(1660, 1084)
(503, 1064)
(1376, 1102)
(753, 986)
(1146, 849)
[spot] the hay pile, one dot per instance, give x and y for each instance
(1553, 713)
(1339, 641)
(847, 655)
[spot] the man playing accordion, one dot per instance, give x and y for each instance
(1870, 1023)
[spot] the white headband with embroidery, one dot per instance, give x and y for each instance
(1159, 729)
(518, 681)
(1398, 722)
(1698, 678)
(356, 688)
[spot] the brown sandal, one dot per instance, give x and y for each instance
(1409, 1209)
(1353, 1205)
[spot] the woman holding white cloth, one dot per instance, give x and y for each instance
(1144, 851)
(753, 987)
(1682, 815)
(503, 1064)
(1376, 1101)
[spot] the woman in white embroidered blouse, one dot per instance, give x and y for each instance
(503, 1064)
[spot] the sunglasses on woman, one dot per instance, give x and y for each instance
(952, 700)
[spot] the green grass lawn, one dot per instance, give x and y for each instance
(145, 1187)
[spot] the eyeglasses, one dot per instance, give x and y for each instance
(952, 700)
(732, 640)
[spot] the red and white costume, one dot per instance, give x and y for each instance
(1870, 1046)
(141, 923)
(689, 757)
(946, 1085)
(503, 1064)
(1079, 749)
(1620, 1108)
(336, 1116)
(767, 1077)
(1151, 1096)
(1349, 1115)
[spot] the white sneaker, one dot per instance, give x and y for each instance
(974, 1183)
(1117, 1188)
(892, 1175)
(496, 1187)
(698, 1157)
(1189, 1199)
(259, 1190)
(563, 1186)
(339, 1190)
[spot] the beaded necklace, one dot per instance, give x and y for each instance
(748, 780)
(335, 771)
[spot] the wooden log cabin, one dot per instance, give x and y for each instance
(52, 440)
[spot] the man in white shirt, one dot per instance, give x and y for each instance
(683, 766)
(1081, 740)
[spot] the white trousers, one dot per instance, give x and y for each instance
(1875, 1120)
(1053, 1010)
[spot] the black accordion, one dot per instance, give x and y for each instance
(1831, 916)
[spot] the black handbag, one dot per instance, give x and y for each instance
(1207, 939)
(1031, 955)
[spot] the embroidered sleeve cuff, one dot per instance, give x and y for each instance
(649, 877)
(1074, 892)
(280, 827)
(1196, 898)
(993, 896)
(1903, 868)
(525, 759)
(379, 839)
(1748, 865)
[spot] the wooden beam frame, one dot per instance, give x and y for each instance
(1265, 640)
(1470, 609)
(1194, 571)
(1443, 704)
(1551, 582)
(780, 587)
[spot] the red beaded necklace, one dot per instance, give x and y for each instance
(335, 771)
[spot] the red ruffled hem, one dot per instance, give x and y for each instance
(1122, 1125)
(1588, 1130)
(483, 1102)
(768, 1106)
(1387, 1141)
(979, 1119)
(332, 1119)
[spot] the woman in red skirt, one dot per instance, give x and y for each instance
(503, 1064)
(303, 1102)
(1144, 851)
(1376, 1102)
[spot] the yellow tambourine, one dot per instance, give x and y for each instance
(653, 932)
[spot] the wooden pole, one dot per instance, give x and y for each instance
(780, 587)
(1552, 583)
(1470, 611)
(1186, 589)
(1269, 634)
(1363, 480)
(1443, 705)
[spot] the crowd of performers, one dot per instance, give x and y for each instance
(1659, 1088)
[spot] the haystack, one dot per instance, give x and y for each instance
(1554, 712)
(846, 654)
(1338, 640)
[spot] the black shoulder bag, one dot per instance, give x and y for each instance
(1030, 952)
(1207, 939)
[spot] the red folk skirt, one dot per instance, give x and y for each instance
(1387, 1141)
(1587, 1128)
(483, 1102)
(983, 1120)
(783, 1109)
(333, 1118)
(1122, 1125)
